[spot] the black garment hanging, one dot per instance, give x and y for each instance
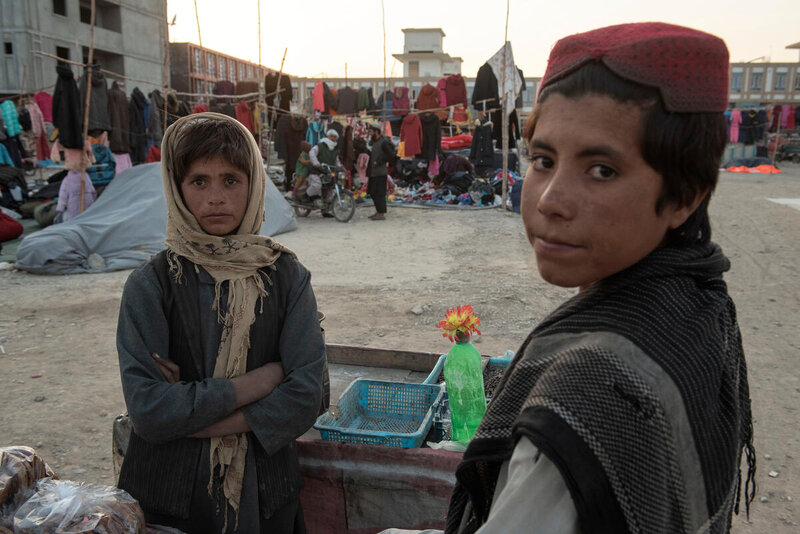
(481, 151)
(347, 101)
(518, 103)
(761, 124)
(67, 108)
(98, 100)
(485, 90)
(138, 133)
(747, 128)
(431, 136)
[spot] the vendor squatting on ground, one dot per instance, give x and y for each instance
(626, 410)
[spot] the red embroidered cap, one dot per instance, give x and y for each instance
(689, 67)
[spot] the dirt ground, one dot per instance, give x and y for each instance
(368, 276)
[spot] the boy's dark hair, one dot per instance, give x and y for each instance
(685, 148)
(209, 138)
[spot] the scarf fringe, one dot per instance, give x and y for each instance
(175, 266)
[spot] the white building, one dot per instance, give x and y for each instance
(423, 55)
(765, 83)
(129, 39)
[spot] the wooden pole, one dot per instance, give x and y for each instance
(383, 93)
(203, 54)
(166, 75)
(505, 112)
(275, 114)
(88, 80)
(261, 89)
(197, 18)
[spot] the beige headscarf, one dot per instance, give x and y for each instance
(236, 258)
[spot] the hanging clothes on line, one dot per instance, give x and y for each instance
(736, 121)
(428, 98)
(119, 115)
(401, 104)
(155, 122)
(38, 130)
(45, 103)
(456, 90)
(98, 100)
(67, 107)
(245, 116)
(136, 126)
(411, 135)
(366, 101)
(347, 101)
(431, 136)
(314, 132)
(319, 98)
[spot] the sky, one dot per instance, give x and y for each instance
(320, 37)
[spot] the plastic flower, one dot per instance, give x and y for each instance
(460, 322)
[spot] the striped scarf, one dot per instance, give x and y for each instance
(637, 390)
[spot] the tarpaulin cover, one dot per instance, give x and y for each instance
(761, 169)
(123, 228)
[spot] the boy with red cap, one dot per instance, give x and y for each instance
(628, 408)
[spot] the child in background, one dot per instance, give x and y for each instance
(69, 195)
(301, 169)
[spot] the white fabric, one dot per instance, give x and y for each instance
(531, 496)
(503, 61)
(313, 155)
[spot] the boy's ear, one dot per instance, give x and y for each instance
(679, 214)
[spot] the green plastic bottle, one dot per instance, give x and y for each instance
(464, 383)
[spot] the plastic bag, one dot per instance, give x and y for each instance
(62, 507)
(20, 468)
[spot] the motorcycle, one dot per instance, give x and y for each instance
(335, 198)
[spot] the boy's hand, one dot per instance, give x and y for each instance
(257, 384)
(168, 368)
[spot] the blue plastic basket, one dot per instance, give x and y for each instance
(393, 414)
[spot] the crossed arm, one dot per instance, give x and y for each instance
(249, 387)
(277, 401)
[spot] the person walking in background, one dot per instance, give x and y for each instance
(382, 153)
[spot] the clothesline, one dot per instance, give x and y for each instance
(104, 71)
(212, 95)
(28, 93)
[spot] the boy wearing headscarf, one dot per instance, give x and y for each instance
(220, 350)
(627, 409)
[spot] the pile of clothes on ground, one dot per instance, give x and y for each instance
(461, 181)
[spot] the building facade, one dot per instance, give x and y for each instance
(62, 27)
(765, 83)
(423, 54)
(195, 69)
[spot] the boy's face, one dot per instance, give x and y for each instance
(216, 193)
(589, 198)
